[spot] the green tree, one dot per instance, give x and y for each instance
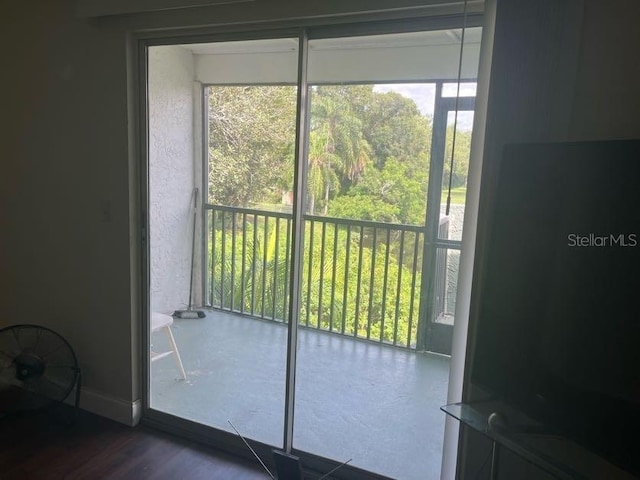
(393, 194)
(338, 151)
(394, 127)
(250, 265)
(460, 158)
(323, 163)
(251, 137)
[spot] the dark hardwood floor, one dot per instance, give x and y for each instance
(40, 446)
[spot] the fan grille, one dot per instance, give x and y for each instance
(37, 367)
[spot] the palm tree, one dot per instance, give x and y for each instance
(252, 275)
(338, 152)
(323, 164)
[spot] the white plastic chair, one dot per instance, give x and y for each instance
(160, 321)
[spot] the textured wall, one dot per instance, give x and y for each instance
(171, 175)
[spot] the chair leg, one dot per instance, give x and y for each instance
(174, 347)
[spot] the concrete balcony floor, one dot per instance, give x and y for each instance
(376, 404)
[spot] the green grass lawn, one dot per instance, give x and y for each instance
(457, 195)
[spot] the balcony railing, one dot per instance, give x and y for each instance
(359, 278)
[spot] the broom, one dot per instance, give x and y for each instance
(189, 312)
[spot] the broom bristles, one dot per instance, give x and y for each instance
(189, 314)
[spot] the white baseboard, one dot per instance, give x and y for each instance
(117, 409)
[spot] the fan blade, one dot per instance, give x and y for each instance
(47, 387)
(9, 343)
(8, 377)
(6, 358)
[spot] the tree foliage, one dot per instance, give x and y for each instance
(338, 151)
(395, 129)
(368, 151)
(460, 158)
(251, 138)
(394, 194)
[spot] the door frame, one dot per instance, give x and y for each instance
(142, 41)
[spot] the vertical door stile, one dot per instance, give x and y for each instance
(299, 187)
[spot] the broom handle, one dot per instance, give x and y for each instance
(193, 243)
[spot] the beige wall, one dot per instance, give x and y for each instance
(64, 194)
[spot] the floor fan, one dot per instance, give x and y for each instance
(38, 368)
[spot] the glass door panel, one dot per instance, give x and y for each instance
(364, 388)
(235, 357)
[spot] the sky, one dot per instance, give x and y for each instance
(423, 94)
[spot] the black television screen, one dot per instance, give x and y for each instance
(558, 333)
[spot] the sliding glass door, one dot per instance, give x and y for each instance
(234, 357)
(299, 253)
(368, 388)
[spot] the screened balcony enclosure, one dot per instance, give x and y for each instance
(328, 180)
